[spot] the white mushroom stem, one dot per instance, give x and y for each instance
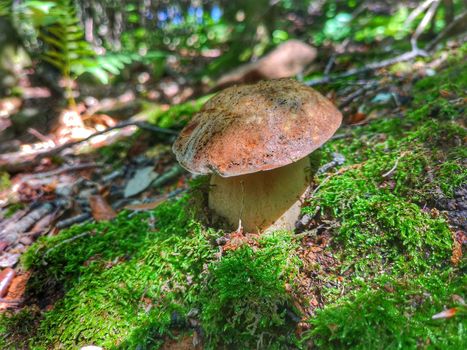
(267, 200)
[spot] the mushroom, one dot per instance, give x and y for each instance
(255, 141)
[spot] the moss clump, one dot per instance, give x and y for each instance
(389, 232)
(244, 302)
(394, 168)
(177, 115)
(16, 328)
(132, 282)
(121, 278)
(396, 314)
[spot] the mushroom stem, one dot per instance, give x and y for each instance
(265, 200)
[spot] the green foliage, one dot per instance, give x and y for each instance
(4, 181)
(396, 314)
(17, 327)
(244, 302)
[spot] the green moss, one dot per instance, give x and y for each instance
(16, 328)
(139, 279)
(386, 236)
(177, 115)
(396, 314)
(120, 278)
(244, 304)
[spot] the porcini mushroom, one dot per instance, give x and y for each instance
(255, 141)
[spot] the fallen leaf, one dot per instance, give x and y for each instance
(18, 286)
(16, 291)
(357, 117)
(445, 314)
(100, 209)
(141, 180)
(8, 259)
(6, 276)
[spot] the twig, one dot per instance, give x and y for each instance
(329, 65)
(349, 99)
(424, 22)
(338, 172)
(38, 135)
(460, 21)
(407, 56)
(396, 163)
(73, 220)
(418, 10)
(74, 238)
(337, 159)
(310, 233)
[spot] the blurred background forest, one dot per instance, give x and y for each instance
(93, 94)
(170, 51)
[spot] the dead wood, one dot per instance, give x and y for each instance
(15, 162)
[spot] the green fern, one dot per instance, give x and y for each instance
(66, 48)
(5, 6)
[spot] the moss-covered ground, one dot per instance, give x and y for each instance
(141, 279)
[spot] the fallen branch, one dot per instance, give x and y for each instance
(10, 166)
(12, 231)
(458, 26)
(350, 98)
(62, 170)
(369, 67)
(424, 22)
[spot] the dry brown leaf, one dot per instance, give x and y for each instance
(357, 117)
(100, 209)
(445, 314)
(6, 277)
(16, 290)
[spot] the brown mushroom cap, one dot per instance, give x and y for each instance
(250, 128)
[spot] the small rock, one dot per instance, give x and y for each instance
(8, 259)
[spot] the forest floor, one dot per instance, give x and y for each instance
(375, 263)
